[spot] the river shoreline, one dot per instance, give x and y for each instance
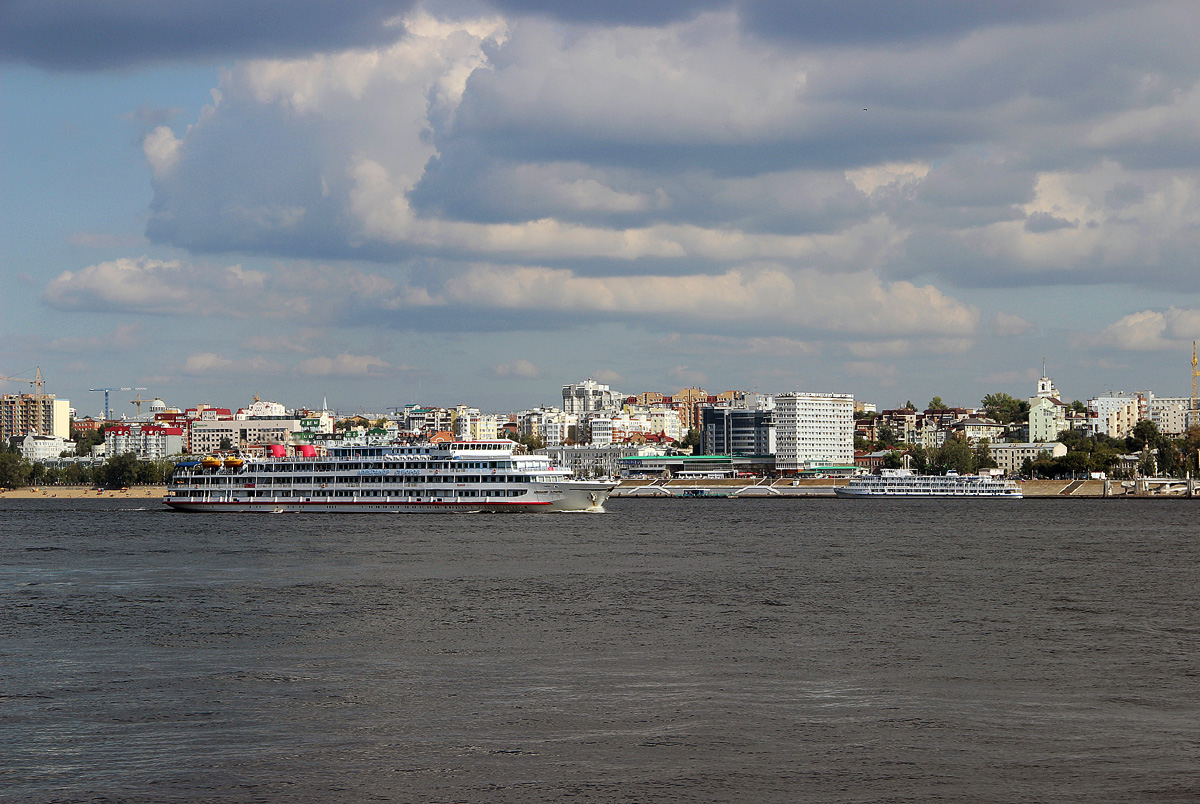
(83, 493)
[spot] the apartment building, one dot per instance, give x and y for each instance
(26, 413)
(1010, 458)
(813, 430)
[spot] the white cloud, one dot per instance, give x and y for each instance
(839, 303)
(1151, 330)
(520, 368)
(149, 286)
(161, 148)
(1010, 324)
(120, 338)
(607, 376)
(884, 374)
(687, 375)
(213, 364)
(704, 343)
(344, 365)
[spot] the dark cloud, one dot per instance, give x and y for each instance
(612, 12)
(836, 22)
(90, 35)
(824, 22)
(1042, 222)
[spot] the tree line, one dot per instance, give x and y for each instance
(117, 472)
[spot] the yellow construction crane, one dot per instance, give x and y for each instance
(1195, 375)
(139, 402)
(37, 384)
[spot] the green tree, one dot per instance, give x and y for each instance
(1027, 467)
(920, 460)
(86, 439)
(955, 455)
(893, 460)
(1005, 409)
(1077, 406)
(885, 436)
(532, 442)
(120, 471)
(77, 474)
(14, 470)
(1145, 434)
(691, 439)
(983, 455)
(937, 404)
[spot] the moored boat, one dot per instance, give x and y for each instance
(467, 476)
(904, 483)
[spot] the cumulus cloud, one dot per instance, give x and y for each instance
(839, 303)
(149, 286)
(343, 365)
(211, 364)
(687, 375)
(1151, 330)
(707, 343)
(1010, 324)
(904, 347)
(884, 374)
(120, 338)
(306, 293)
(793, 180)
(607, 376)
(533, 139)
(520, 368)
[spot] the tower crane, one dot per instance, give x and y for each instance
(107, 415)
(37, 384)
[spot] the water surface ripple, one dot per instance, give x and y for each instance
(668, 651)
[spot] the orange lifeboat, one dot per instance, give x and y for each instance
(210, 462)
(233, 462)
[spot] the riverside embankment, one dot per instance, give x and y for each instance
(824, 487)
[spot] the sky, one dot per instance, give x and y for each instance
(478, 201)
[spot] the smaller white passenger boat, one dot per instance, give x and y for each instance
(905, 483)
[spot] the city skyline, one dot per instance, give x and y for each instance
(380, 203)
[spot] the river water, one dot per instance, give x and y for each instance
(805, 650)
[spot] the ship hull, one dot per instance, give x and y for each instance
(562, 497)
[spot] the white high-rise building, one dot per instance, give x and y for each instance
(590, 397)
(1173, 415)
(1114, 413)
(813, 430)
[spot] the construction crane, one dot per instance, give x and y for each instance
(107, 416)
(139, 402)
(1195, 374)
(37, 384)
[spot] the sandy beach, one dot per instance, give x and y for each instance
(84, 492)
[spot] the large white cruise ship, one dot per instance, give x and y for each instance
(904, 483)
(466, 476)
